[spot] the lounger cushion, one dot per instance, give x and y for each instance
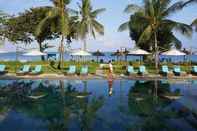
(177, 69)
(37, 69)
(72, 70)
(194, 69)
(130, 69)
(165, 69)
(142, 69)
(2, 68)
(26, 68)
(84, 70)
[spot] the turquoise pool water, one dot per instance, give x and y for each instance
(97, 105)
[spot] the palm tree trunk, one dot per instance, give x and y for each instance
(97, 59)
(156, 50)
(61, 52)
(84, 44)
(61, 48)
(41, 50)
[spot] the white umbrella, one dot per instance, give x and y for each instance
(34, 53)
(173, 52)
(80, 53)
(137, 51)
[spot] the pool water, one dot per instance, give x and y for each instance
(97, 105)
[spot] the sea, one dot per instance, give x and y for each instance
(11, 56)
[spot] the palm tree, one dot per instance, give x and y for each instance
(194, 23)
(88, 23)
(3, 18)
(59, 16)
(155, 13)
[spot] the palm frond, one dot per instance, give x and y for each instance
(82, 30)
(51, 14)
(98, 27)
(3, 17)
(194, 23)
(152, 9)
(40, 26)
(174, 8)
(183, 28)
(96, 12)
(124, 26)
(93, 33)
(72, 11)
(189, 2)
(165, 3)
(146, 35)
(132, 8)
(177, 43)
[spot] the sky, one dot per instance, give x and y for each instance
(111, 19)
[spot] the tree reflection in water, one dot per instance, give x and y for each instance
(110, 87)
(147, 103)
(64, 105)
(56, 108)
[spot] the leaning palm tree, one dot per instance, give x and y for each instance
(194, 23)
(62, 23)
(156, 14)
(88, 23)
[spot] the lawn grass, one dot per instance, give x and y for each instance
(119, 67)
(13, 66)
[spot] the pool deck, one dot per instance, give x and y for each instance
(12, 76)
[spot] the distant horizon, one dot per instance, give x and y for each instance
(111, 19)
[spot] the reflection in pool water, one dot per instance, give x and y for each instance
(97, 105)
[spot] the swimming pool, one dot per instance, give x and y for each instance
(97, 105)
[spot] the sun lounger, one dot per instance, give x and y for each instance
(71, 70)
(2, 69)
(130, 70)
(177, 71)
(37, 70)
(194, 70)
(25, 69)
(142, 70)
(84, 70)
(165, 70)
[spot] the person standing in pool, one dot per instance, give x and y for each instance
(110, 67)
(110, 76)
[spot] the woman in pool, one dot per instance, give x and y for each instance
(110, 68)
(110, 75)
(110, 79)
